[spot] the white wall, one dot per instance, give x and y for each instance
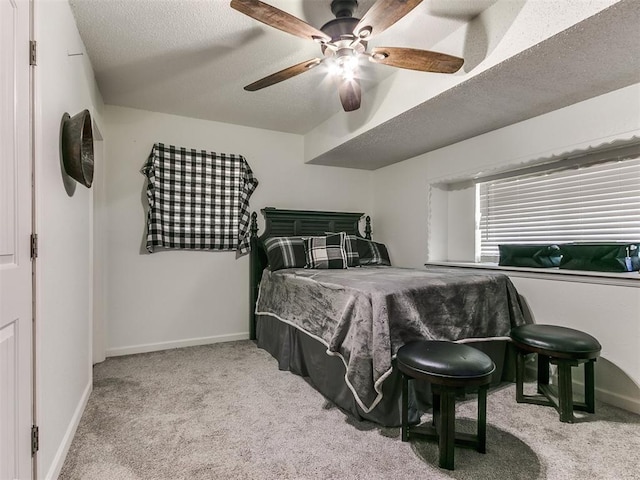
(420, 222)
(178, 297)
(64, 278)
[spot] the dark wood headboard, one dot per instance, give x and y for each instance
(289, 223)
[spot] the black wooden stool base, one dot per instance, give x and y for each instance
(444, 421)
(562, 400)
(450, 368)
(566, 348)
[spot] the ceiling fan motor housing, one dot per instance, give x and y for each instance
(340, 28)
(341, 32)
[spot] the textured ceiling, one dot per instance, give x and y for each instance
(192, 57)
(596, 56)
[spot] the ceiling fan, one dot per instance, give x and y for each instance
(343, 42)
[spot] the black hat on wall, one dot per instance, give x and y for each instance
(77, 147)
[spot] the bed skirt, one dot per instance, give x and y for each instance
(303, 355)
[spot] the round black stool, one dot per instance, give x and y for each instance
(566, 348)
(450, 368)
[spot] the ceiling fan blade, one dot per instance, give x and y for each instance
(382, 15)
(277, 18)
(414, 59)
(350, 94)
(283, 74)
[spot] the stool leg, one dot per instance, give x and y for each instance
(435, 421)
(482, 420)
(447, 432)
(543, 371)
(520, 376)
(405, 408)
(590, 386)
(565, 392)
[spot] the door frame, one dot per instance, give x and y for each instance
(18, 218)
(34, 260)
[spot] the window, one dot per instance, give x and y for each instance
(586, 199)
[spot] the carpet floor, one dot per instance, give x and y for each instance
(225, 411)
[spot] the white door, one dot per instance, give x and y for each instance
(15, 232)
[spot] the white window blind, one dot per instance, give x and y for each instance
(597, 203)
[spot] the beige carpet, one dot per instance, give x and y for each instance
(225, 411)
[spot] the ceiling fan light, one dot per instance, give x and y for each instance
(334, 69)
(348, 62)
(344, 67)
(348, 74)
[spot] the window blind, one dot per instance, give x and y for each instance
(596, 203)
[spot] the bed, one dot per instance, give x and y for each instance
(341, 328)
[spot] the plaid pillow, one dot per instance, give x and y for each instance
(326, 252)
(372, 253)
(351, 248)
(285, 252)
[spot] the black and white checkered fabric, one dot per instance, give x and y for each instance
(198, 200)
(373, 253)
(326, 252)
(351, 248)
(285, 252)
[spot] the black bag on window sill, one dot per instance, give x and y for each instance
(534, 256)
(600, 257)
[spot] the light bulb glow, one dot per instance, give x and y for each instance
(348, 75)
(344, 66)
(334, 69)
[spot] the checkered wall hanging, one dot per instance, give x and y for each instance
(198, 200)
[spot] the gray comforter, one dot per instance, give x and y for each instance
(363, 315)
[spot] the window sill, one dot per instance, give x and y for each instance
(626, 279)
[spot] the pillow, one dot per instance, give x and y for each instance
(285, 252)
(326, 252)
(372, 253)
(351, 248)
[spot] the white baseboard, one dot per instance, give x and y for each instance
(620, 401)
(612, 398)
(189, 342)
(65, 444)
